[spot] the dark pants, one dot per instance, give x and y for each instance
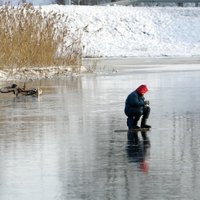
(133, 118)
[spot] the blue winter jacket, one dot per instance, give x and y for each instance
(134, 104)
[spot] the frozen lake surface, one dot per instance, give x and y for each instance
(62, 145)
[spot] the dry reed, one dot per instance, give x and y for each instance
(30, 37)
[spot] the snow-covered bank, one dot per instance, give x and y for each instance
(134, 31)
(29, 74)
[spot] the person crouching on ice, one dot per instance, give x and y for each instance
(136, 106)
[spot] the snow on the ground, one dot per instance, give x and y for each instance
(135, 31)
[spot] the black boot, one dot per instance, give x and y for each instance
(143, 124)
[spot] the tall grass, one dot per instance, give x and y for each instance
(30, 37)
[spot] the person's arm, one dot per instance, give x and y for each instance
(135, 101)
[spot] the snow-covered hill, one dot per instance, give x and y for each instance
(135, 31)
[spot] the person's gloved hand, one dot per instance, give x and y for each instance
(146, 103)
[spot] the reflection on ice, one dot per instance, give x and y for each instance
(138, 151)
(63, 145)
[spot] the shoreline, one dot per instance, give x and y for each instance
(152, 60)
(92, 65)
(36, 73)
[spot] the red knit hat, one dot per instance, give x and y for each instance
(142, 89)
